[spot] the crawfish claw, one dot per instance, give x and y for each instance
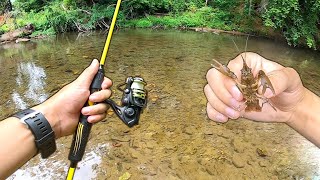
(267, 101)
(223, 69)
(265, 82)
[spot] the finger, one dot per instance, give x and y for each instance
(224, 87)
(107, 83)
(215, 115)
(96, 118)
(88, 74)
(236, 64)
(254, 61)
(100, 96)
(219, 106)
(95, 109)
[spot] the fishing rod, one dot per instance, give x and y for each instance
(81, 135)
(133, 102)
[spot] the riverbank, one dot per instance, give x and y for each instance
(223, 17)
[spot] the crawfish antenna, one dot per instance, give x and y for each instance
(245, 50)
(239, 50)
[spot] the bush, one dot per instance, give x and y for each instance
(144, 23)
(61, 17)
(30, 5)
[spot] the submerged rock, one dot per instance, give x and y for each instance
(237, 161)
(262, 152)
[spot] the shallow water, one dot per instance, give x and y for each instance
(175, 139)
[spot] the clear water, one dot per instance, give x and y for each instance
(175, 139)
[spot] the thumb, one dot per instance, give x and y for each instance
(283, 80)
(88, 74)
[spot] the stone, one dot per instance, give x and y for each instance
(237, 161)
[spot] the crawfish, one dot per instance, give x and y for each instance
(249, 85)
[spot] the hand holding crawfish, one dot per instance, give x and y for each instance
(249, 85)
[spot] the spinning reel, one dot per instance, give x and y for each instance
(134, 100)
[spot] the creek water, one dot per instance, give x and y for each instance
(175, 139)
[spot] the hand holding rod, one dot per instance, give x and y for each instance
(82, 132)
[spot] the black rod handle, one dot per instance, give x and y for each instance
(81, 135)
(80, 139)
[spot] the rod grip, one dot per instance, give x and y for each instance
(81, 135)
(97, 80)
(80, 139)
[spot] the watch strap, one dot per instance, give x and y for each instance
(41, 129)
(23, 113)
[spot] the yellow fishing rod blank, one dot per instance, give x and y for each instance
(106, 46)
(81, 135)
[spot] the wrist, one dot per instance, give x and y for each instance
(302, 109)
(44, 136)
(305, 119)
(51, 115)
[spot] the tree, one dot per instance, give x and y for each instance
(297, 19)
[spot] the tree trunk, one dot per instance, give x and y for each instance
(218, 31)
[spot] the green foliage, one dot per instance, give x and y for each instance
(50, 20)
(69, 3)
(31, 5)
(65, 16)
(144, 23)
(202, 17)
(39, 20)
(4, 29)
(226, 5)
(178, 6)
(5, 6)
(61, 20)
(2, 6)
(102, 13)
(296, 19)
(138, 8)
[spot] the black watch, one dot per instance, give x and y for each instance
(41, 129)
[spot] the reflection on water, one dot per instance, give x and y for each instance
(17, 99)
(49, 168)
(175, 139)
(40, 171)
(88, 166)
(32, 77)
